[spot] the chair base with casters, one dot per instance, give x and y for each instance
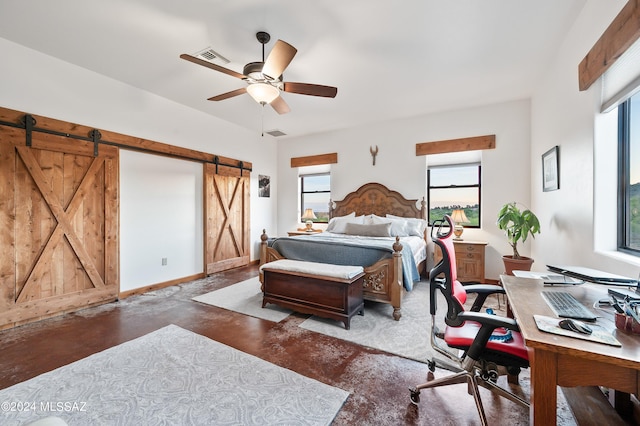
(477, 346)
(482, 371)
(475, 375)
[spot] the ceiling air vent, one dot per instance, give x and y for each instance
(211, 55)
(276, 133)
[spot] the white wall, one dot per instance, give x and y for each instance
(572, 232)
(558, 115)
(161, 199)
(506, 170)
(39, 84)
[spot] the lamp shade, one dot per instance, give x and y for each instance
(309, 214)
(458, 216)
(263, 92)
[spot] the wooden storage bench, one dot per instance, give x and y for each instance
(329, 291)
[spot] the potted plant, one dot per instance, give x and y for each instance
(517, 225)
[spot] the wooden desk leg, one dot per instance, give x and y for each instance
(544, 371)
(509, 311)
(622, 403)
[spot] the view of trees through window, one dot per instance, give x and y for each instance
(315, 194)
(454, 187)
(629, 113)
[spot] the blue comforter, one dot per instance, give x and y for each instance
(339, 249)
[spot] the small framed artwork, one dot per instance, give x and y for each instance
(551, 170)
(264, 186)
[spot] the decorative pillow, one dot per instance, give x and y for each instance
(338, 224)
(378, 230)
(398, 226)
(412, 226)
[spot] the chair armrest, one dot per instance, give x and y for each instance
(489, 321)
(482, 291)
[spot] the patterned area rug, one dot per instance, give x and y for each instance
(172, 376)
(246, 298)
(377, 329)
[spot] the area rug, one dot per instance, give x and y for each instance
(377, 329)
(244, 297)
(172, 377)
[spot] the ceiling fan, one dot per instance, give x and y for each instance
(264, 79)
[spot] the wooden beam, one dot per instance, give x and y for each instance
(120, 140)
(616, 39)
(314, 160)
(456, 145)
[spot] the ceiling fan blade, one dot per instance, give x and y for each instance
(311, 89)
(280, 57)
(212, 66)
(280, 105)
(228, 95)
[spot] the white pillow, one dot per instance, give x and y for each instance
(413, 226)
(338, 225)
(375, 220)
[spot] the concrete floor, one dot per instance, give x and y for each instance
(378, 382)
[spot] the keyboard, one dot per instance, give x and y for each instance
(567, 306)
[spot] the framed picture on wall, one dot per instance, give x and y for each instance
(264, 186)
(551, 170)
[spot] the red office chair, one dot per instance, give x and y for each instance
(484, 341)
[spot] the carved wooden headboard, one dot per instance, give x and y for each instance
(375, 198)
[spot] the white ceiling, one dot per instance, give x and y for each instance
(389, 59)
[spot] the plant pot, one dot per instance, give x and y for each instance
(511, 264)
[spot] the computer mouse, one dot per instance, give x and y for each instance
(573, 325)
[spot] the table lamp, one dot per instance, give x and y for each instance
(458, 218)
(309, 215)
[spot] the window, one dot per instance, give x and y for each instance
(629, 175)
(315, 194)
(453, 187)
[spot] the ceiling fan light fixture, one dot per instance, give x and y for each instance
(263, 92)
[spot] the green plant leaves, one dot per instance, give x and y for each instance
(518, 225)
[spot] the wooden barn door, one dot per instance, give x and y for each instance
(226, 205)
(59, 225)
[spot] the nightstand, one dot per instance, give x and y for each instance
(469, 260)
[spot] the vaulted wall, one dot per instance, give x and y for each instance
(39, 84)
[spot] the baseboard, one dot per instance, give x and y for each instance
(125, 294)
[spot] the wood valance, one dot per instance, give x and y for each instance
(314, 160)
(456, 145)
(617, 38)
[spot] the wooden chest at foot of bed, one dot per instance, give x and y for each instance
(328, 291)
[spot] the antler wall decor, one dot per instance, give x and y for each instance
(373, 152)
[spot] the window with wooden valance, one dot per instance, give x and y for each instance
(615, 58)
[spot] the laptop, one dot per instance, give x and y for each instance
(548, 278)
(600, 277)
(592, 275)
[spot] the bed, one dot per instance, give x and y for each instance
(392, 263)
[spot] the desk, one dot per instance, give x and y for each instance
(564, 361)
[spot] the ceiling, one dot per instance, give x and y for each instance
(389, 59)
